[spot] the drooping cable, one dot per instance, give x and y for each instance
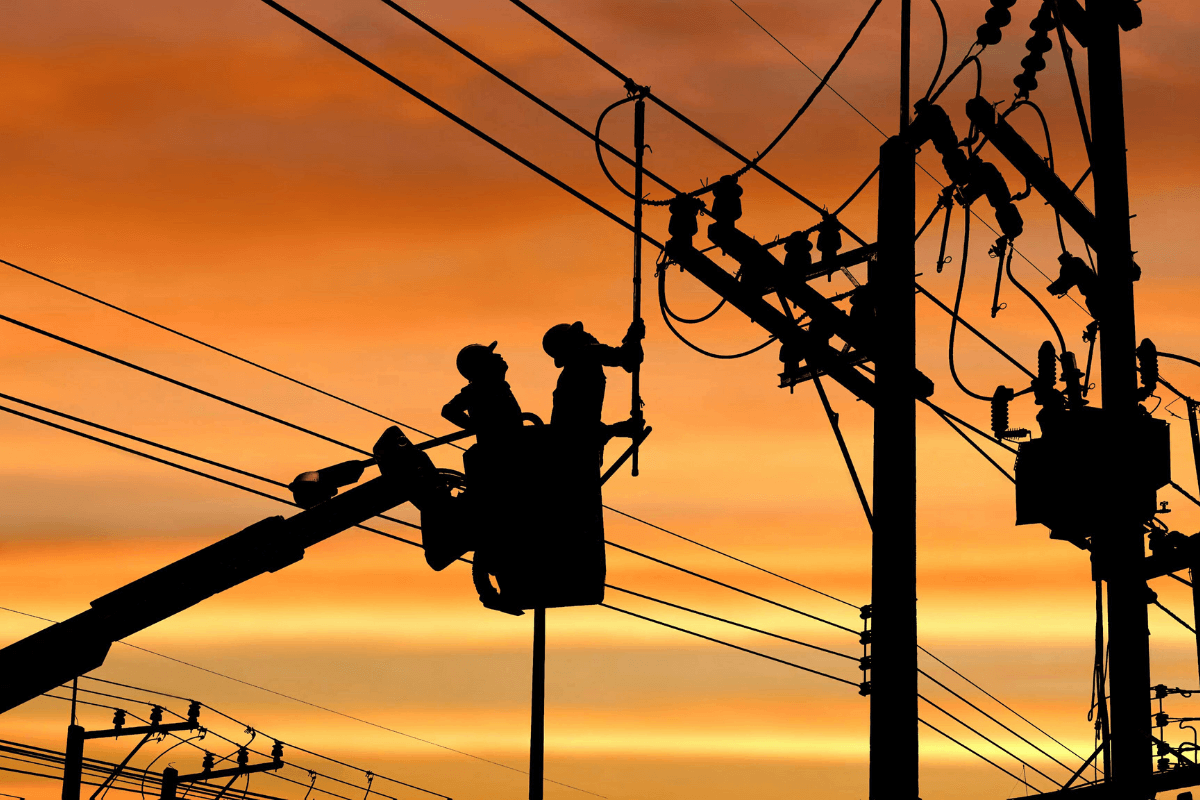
(1062, 343)
(962, 278)
(854, 195)
(665, 308)
(815, 92)
(814, 73)
(945, 45)
(967, 59)
(1049, 158)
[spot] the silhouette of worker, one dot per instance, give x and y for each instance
(486, 405)
(579, 395)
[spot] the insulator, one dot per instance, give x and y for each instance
(1164, 764)
(1129, 15)
(1073, 272)
(1037, 45)
(209, 762)
(1160, 691)
(1033, 63)
(727, 200)
(277, 751)
(1073, 378)
(864, 663)
(798, 251)
(932, 124)
(156, 715)
(684, 209)
(864, 612)
(118, 718)
(1000, 401)
(194, 711)
(864, 688)
(995, 18)
(1147, 356)
(243, 757)
(1047, 364)
(1025, 83)
(1044, 21)
(864, 637)
(1160, 719)
(829, 237)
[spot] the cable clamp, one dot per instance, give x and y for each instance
(864, 688)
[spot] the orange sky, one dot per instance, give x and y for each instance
(216, 168)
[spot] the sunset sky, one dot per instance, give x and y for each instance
(217, 169)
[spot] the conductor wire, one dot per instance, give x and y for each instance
(962, 277)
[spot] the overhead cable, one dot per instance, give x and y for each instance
(977, 754)
(730, 644)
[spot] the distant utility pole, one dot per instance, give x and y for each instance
(1119, 549)
(894, 752)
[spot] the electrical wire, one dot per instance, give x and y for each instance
(976, 753)
(854, 195)
(731, 587)
(1001, 702)
(967, 59)
(452, 116)
(971, 442)
(730, 644)
(658, 101)
(962, 277)
(813, 95)
(730, 622)
(160, 376)
(365, 527)
(837, 432)
(989, 740)
(970, 427)
(993, 719)
(806, 66)
(974, 330)
(1065, 47)
(1049, 157)
(665, 308)
(945, 45)
(1062, 343)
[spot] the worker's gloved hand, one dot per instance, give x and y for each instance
(398, 459)
(629, 429)
(636, 332)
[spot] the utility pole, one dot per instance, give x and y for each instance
(894, 748)
(1120, 546)
(537, 712)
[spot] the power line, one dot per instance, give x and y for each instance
(729, 644)
(350, 403)
(675, 113)
(728, 556)
(998, 700)
(180, 384)
(976, 753)
(988, 740)
(730, 586)
(730, 622)
(452, 116)
(266, 495)
(971, 442)
(993, 719)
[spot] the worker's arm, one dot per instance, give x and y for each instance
(456, 412)
(629, 354)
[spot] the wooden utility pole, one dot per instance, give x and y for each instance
(537, 713)
(1120, 548)
(894, 751)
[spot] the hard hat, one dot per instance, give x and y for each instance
(558, 339)
(471, 356)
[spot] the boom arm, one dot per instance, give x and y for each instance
(71, 648)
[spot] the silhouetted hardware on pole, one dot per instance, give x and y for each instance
(1064, 476)
(76, 736)
(1077, 20)
(1034, 169)
(78, 645)
(749, 301)
(171, 779)
(975, 177)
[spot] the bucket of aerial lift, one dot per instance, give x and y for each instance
(1067, 478)
(536, 512)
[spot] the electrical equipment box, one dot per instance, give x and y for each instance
(536, 511)
(1065, 479)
